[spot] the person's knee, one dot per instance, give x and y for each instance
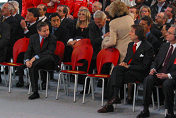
(167, 84)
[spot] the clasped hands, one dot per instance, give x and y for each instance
(124, 64)
(158, 75)
(29, 63)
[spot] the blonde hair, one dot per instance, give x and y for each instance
(87, 21)
(146, 7)
(118, 8)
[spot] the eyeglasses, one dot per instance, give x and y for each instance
(81, 14)
(170, 33)
(144, 11)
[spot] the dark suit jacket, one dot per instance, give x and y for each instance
(154, 41)
(19, 30)
(67, 24)
(61, 34)
(13, 27)
(141, 60)
(4, 39)
(159, 59)
(154, 9)
(32, 29)
(48, 48)
(95, 35)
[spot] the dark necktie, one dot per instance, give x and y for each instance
(166, 61)
(41, 44)
(134, 50)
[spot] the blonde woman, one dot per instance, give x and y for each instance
(144, 11)
(119, 26)
(81, 29)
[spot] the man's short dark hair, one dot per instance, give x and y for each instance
(148, 20)
(54, 15)
(34, 11)
(139, 31)
(41, 24)
(173, 9)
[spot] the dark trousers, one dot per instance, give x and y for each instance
(168, 85)
(120, 76)
(46, 63)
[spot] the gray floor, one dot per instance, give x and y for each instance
(16, 105)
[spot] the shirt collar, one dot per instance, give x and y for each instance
(147, 34)
(138, 44)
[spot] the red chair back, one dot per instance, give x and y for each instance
(109, 55)
(82, 42)
(21, 45)
(82, 52)
(60, 47)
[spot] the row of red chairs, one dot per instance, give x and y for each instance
(82, 50)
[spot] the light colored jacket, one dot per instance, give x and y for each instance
(119, 34)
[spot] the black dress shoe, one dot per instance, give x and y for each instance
(143, 114)
(170, 116)
(35, 95)
(129, 101)
(106, 109)
(19, 84)
(114, 100)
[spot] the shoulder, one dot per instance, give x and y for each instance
(34, 36)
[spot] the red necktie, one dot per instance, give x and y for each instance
(134, 50)
(41, 44)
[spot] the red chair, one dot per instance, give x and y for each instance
(83, 52)
(20, 46)
(60, 47)
(110, 55)
(79, 43)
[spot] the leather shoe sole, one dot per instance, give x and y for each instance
(106, 109)
(34, 96)
(143, 114)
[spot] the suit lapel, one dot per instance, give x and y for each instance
(38, 42)
(165, 50)
(171, 61)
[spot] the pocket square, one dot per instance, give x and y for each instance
(175, 61)
(141, 55)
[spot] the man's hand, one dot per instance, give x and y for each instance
(124, 64)
(107, 34)
(72, 43)
(28, 64)
(23, 24)
(162, 75)
(33, 59)
(152, 71)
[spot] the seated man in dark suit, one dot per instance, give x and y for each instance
(4, 40)
(163, 72)
(147, 22)
(40, 55)
(133, 68)
(19, 33)
(31, 22)
(29, 27)
(42, 10)
(59, 32)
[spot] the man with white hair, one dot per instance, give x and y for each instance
(7, 10)
(19, 31)
(97, 31)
